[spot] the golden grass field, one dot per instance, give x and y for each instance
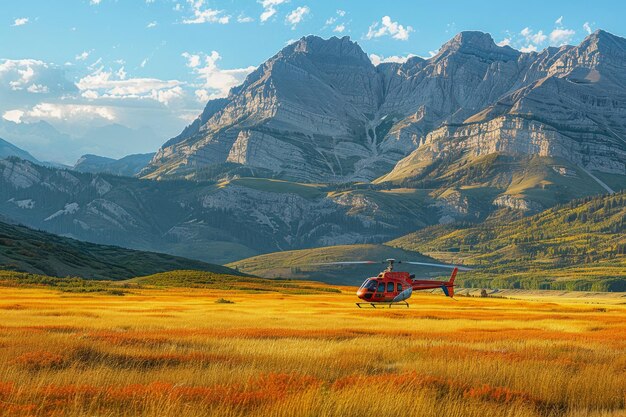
(176, 352)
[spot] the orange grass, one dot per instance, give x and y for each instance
(315, 355)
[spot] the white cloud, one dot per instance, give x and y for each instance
(297, 15)
(214, 81)
(561, 36)
(14, 116)
(244, 19)
(379, 59)
(37, 89)
(144, 63)
(535, 38)
(20, 21)
(270, 7)
(206, 15)
(115, 85)
(193, 60)
(94, 2)
(151, 24)
(387, 27)
(504, 42)
(66, 112)
(587, 28)
(82, 56)
(33, 76)
(559, 21)
(336, 21)
(528, 48)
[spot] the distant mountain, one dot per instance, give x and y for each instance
(40, 137)
(319, 111)
(128, 166)
(28, 250)
(49, 144)
(213, 222)
(9, 150)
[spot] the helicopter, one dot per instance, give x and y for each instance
(394, 288)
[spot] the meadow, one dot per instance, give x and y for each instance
(161, 351)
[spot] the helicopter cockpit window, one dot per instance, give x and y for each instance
(381, 287)
(390, 287)
(399, 287)
(370, 284)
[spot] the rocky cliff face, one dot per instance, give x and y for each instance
(319, 111)
(571, 107)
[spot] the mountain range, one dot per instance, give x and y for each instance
(320, 147)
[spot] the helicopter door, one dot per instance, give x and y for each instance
(380, 291)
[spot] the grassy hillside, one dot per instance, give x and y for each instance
(170, 279)
(300, 264)
(539, 182)
(579, 245)
(28, 250)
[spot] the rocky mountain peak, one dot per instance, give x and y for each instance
(476, 43)
(605, 43)
(336, 48)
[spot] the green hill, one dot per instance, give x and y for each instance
(579, 245)
(300, 264)
(28, 250)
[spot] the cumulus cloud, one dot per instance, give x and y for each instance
(82, 56)
(587, 28)
(561, 36)
(531, 37)
(336, 22)
(94, 2)
(114, 85)
(270, 7)
(379, 59)
(61, 112)
(20, 21)
(387, 27)
(528, 48)
(296, 16)
(33, 76)
(214, 81)
(14, 116)
(244, 19)
(504, 42)
(151, 24)
(201, 15)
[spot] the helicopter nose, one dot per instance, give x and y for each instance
(361, 293)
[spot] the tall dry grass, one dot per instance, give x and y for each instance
(177, 353)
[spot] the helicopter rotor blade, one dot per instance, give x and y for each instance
(460, 268)
(346, 263)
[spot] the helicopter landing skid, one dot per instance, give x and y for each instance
(373, 305)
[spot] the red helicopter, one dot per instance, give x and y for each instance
(394, 288)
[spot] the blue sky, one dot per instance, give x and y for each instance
(156, 62)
